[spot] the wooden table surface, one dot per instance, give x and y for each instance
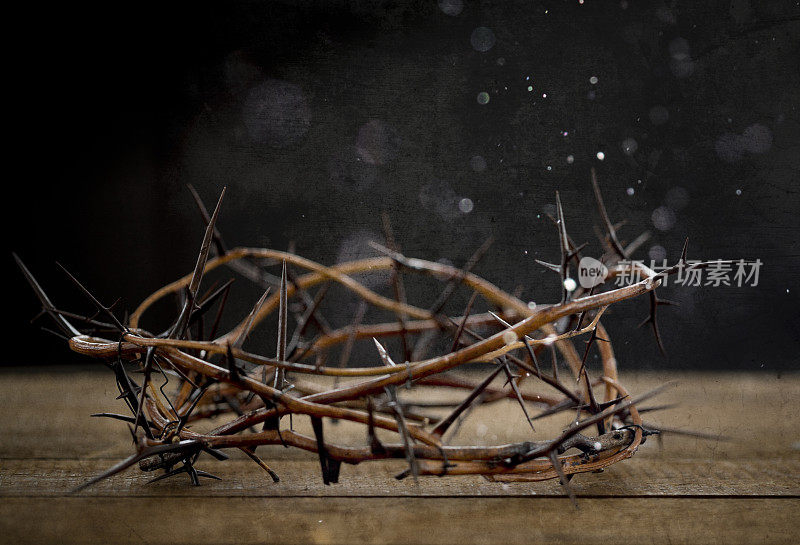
(675, 490)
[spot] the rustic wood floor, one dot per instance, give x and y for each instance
(677, 490)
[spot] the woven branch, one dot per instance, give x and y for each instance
(248, 395)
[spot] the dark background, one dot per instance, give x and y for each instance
(318, 116)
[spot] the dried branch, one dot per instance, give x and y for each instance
(215, 384)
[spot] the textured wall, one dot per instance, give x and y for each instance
(458, 119)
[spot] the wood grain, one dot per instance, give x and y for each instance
(679, 490)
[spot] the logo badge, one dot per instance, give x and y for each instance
(591, 272)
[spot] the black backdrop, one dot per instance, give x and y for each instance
(318, 116)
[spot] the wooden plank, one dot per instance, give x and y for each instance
(681, 490)
(398, 520)
(641, 476)
(45, 414)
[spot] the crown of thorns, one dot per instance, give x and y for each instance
(248, 395)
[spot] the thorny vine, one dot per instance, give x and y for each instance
(217, 379)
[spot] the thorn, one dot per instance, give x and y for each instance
(555, 268)
(208, 475)
(440, 428)
(293, 349)
(219, 245)
(463, 323)
(183, 420)
(452, 284)
(143, 392)
(220, 310)
(612, 234)
(47, 305)
(55, 333)
(122, 417)
(667, 302)
(576, 251)
(525, 341)
(251, 453)
(517, 393)
(403, 429)
(682, 260)
(206, 302)
(397, 285)
(387, 360)
(140, 455)
(316, 423)
(562, 477)
(93, 299)
(375, 445)
(283, 310)
(179, 328)
(652, 319)
(133, 435)
(347, 349)
(248, 322)
(230, 361)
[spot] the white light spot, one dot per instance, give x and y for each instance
(465, 205)
(549, 167)
(738, 191)
(276, 113)
(483, 97)
(509, 337)
(477, 163)
(657, 253)
(757, 138)
(593, 80)
(677, 198)
(630, 191)
(629, 146)
(597, 445)
(451, 7)
(679, 49)
(482, 39)
(531, 305)
(376, 142)
(570, 159)
(663, 218)
(681, 63)
(356, 246)
(530, 88)
(570, 284)
(601, 155)
(544, 95)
